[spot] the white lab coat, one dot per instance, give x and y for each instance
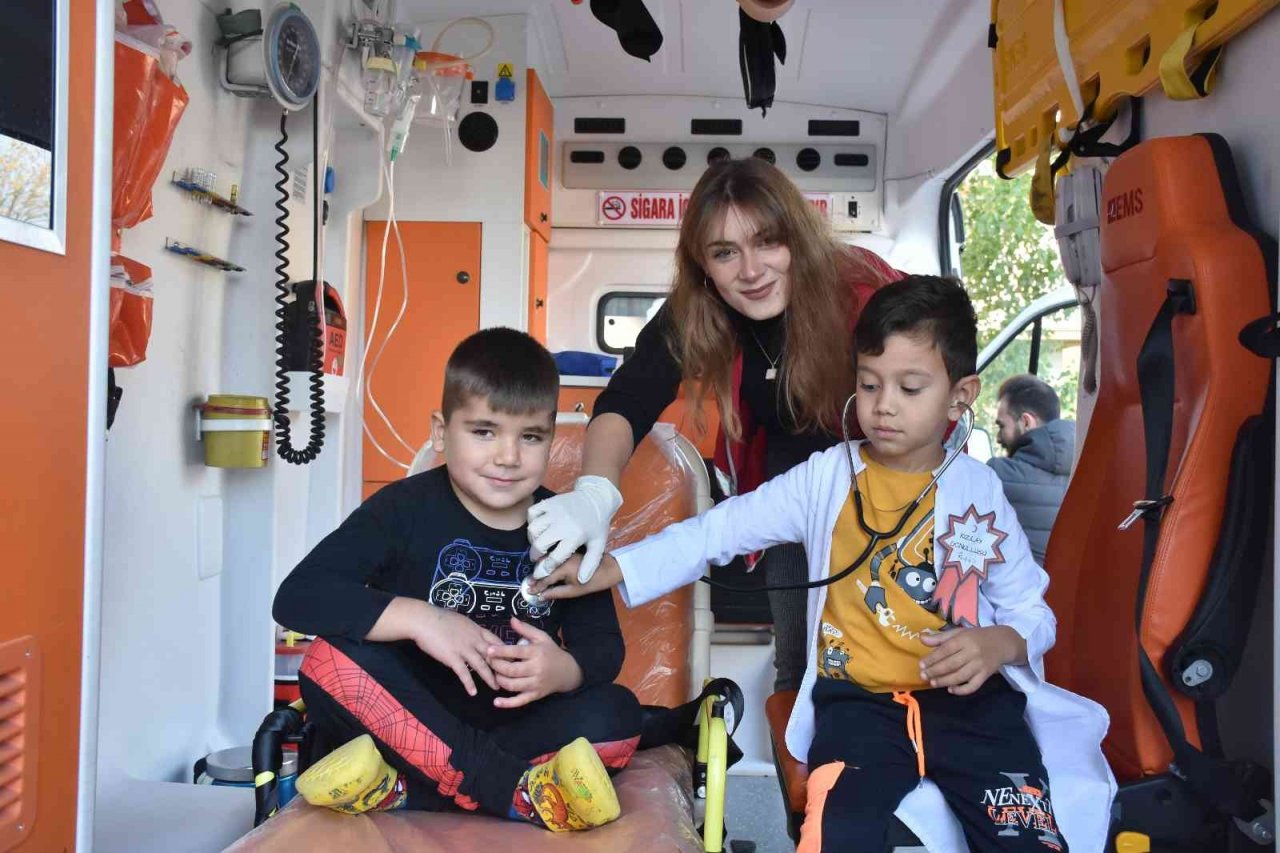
(802, 505)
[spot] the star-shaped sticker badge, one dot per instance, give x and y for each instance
(970, 545)
(972, 542)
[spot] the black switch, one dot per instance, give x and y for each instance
(853, 209)
(479, 91)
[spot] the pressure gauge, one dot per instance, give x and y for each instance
(292, 57)
(281, 60)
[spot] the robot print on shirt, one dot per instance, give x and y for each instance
(485, 584)
(835, 654)
(908, 562)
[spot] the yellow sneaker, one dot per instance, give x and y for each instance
(353, 779)
(572, 791)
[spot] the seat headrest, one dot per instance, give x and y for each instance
(1158, 190)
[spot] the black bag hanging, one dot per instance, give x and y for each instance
(636, 30)
(758, 44)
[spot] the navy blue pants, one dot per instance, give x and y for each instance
(977, 749)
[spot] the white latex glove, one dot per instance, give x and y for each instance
(558, 526)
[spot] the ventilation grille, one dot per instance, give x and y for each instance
(817, 167)
(18, 716)
(592, 124)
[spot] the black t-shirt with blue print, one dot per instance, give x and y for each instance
(414, 538)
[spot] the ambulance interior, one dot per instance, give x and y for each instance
(530, 172)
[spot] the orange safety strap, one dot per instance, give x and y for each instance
(915, 729)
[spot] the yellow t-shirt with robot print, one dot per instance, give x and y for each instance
(873, 619)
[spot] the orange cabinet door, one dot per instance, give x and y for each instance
(538, 287)
(537, 157)
(43, 441)
(443, 259)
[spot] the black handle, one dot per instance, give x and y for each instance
(463, 277)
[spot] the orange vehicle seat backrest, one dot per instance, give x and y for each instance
(1170, 211)
(657, 489)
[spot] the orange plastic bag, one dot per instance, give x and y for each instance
(148, 108)
(131, 305)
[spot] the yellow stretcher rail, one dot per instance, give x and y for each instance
(1119, 48)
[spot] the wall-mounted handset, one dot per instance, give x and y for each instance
(282, 60)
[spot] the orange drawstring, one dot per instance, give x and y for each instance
(915, 729)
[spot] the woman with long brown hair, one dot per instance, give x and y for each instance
(760, 321)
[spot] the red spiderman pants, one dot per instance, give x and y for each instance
(456, 751)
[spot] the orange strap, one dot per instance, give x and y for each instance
(915, 728)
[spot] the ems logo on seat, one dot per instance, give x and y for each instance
(1123, 206)
(970, 545)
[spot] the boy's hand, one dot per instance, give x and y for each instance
(459, 644)
(964, 658)
(563, 582)
(534, 670)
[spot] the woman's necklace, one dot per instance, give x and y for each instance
(772, 371)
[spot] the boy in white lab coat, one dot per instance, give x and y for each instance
(938, 592)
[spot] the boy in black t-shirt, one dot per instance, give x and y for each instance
(449, 688)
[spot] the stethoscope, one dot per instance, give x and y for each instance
(874, 537)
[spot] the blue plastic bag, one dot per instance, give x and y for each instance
(577, 363)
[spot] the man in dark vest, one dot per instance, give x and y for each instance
(1041, 449)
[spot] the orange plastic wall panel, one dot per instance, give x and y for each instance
(42, 452)
(539, 165)
(538, 286)
(444, 307)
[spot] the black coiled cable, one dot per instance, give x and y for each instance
(315, 359)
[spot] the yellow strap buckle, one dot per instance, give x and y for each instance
(1181, 84)
(1133, 842)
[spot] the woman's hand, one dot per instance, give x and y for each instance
(559, 525)
(458, 643)
(564, 582)
(534, 669)
(964, 658)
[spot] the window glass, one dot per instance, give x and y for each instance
(1007, 259)
(27, 116)
(621, 315)
(1058, 364)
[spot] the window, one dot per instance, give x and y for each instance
(1047, 346)
(620, 316)
(544, 160)
(1009, 263)
(33, 110)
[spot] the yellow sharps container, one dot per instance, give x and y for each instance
(236, 431)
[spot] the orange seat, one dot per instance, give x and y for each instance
(1172, 212)
(793, 774)
(659, 486)
(1172, 215)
